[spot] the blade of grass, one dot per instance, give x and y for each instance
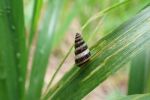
(147, 69)
(103, 65)
(139, 19)
(58, 68)
(43, 50)
(13, 40)
(137, 74)
(22, 53)
(35, 19)
(3, 89)
(102, 13)
(94, 31)
(8, 75)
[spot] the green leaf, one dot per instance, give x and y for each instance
(99, 14)
(58, 68)
(21, 46)
(108, 55)
(137, 74)
(136, 97)
(147, 69)
(43, 50)
(35, 18)
(13, 50)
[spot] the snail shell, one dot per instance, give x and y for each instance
(82, 53)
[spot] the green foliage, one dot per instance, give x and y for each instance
(43, 49)
(109, 55)
(35, 19)
(13, 50)
(50, 21)
(147, 69)
(138, 65)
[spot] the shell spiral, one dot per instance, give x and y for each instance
(82, 53)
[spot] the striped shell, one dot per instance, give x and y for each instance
(82, 53)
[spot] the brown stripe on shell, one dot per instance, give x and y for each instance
(83, 61)
(81, 50)
(79, 43)
(78, 36)
(82, 58)
(78, 39)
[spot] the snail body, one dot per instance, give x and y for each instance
(82, 52)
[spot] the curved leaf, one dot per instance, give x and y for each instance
(108, 55)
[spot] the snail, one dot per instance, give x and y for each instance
(82, 52)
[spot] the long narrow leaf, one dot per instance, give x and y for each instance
(35, 18)
(130, 25)
(137, 74)
(21, 46)
(147, 69)
(128, 41)
(43, 50)
(13, 48)
(100, 14)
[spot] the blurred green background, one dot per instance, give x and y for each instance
(49, 28)
(72, 17)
